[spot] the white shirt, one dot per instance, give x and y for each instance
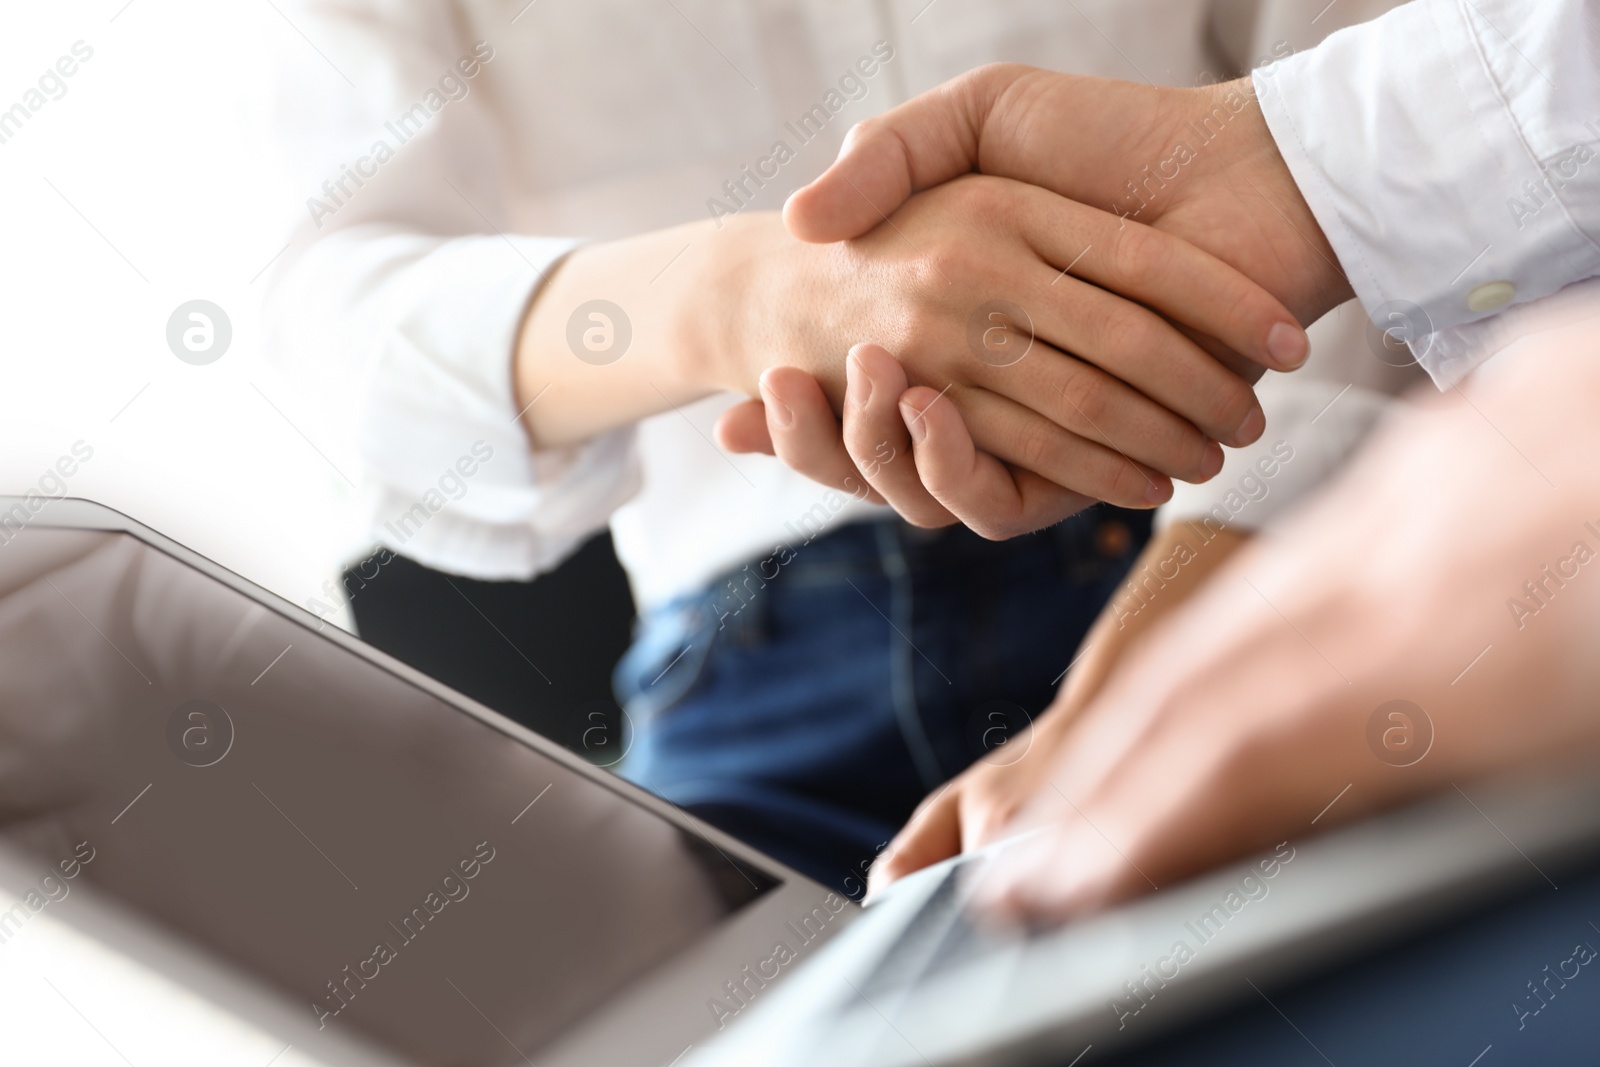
(401, 294)
(1449, 151)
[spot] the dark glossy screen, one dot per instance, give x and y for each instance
(401, 868)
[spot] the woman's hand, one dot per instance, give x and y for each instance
(1197, 163)
(976, 807)
(1064, 373)
(1028, 312)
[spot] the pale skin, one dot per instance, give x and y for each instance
(1235, 197)
(1137, 402)
(751, 307)
(978, 806)
(1233, 717)
(1257, 717)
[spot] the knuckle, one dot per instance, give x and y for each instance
(941, 264)
(1136, 253)
(1035, 449)
(975, 202)
(1232, 401)
(1250, 309)
(868, 129)
(1119, 332)
(1189, 449)
(1090, 394)
(983, 83)
(990, 529)
(985, 74)
(985, 198)
(1131, 329)
(925, 519)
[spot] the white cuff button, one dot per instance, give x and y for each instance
(1491, 297)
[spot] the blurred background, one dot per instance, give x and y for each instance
(145, 181)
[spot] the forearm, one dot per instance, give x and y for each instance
(1173, 566)
(581, 368)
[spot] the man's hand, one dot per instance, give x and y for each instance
(1199, 163)
(1268, 702)
(941, 477)
(969, 283)
(975, 808)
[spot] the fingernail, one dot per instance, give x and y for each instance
(1288, 345)
(777, 410)
(1250, 428)
(1212, 463)
(916, 425)
(857, 386)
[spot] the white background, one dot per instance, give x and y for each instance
(161, 142)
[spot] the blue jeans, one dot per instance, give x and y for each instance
(806, 703)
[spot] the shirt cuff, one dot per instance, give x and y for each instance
(453, 481)
(1401, 138)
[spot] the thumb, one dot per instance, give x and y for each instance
(932, 834)
(923, 142)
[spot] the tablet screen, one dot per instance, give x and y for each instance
(177, 758)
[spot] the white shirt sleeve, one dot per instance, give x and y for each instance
(401, 293)
(1448, 150)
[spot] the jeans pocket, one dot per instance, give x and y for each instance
(670, 649)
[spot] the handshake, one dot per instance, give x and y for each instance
(1058, 290)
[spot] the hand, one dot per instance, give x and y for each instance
(975, 808)
(1137, 390)
(1261, 705)
(1091, 139)
(1200, 163)
(874, 456)
(937, 476)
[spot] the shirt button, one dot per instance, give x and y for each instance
(1491, 296)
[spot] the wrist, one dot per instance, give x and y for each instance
(1324, 284)
(1292, 256)
(620, 331)
(734, 298)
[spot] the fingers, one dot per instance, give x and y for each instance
(1022, 438)
(912, 449)
(877, 461)
(1075, 309)
(1169, 274)
(1097, 404)
(804, 433)
(995, 501)
(743, 428)
(919, 144)
(1243, 366)
(1172, 810)
(1108, 841)
(932, 834)
(877, 440)
(1066, 870)
(1208, 742)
